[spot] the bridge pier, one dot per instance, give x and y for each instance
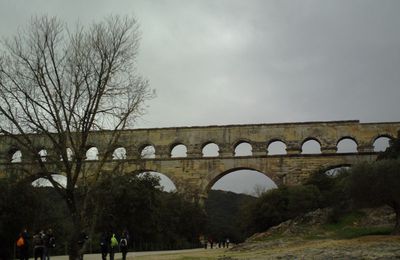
(259, 148)
(365, 148)
(328, 149)
(293, 148)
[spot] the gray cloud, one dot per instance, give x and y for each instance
(234, 62)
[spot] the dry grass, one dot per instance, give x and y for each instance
(369, 247)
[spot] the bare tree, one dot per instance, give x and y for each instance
(63, 84)
(259, 190)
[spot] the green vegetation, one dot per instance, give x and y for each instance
(224, 211)
(346, 227)
(278, 205)
(155, 219)
(376, 184)
(365, 185)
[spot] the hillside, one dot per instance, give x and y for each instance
(223, 213)
(358, 235)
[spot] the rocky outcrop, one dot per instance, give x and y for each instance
(291, 239)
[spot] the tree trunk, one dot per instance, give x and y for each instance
(73, 247)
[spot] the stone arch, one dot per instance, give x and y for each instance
(335, 166)
(250, 182)
(15, 155)
(119, 153)
(170, 177)
(147, 151)
(347, 144)
(92, 153)
(43, 182)
(276, 147)
(43, 154)
(210, 149)
(178, 150)
(314, 148)
(218, 176)
(243, 148)
(379, 142)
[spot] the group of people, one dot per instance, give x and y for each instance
(42, 243)
(109, 244)
(220, 244)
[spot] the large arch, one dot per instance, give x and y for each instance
(168, 182)
(333, 170)
(43, 182)
(212, 182)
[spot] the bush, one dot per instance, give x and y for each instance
(281, 204)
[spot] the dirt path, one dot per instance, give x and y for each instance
(369, 247)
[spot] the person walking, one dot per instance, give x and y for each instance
(38, 245)
(113, 246)
(50, 243)
(123, 245)
(81, 243)
(104, 245)
(23, 244)
(227, 242)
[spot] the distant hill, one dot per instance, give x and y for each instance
(223, 211)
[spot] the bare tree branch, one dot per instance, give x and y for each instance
(62, 84)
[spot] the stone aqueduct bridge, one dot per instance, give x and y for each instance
(196, 174)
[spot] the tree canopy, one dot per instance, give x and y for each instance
(376, 184)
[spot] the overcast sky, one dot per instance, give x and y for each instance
(234, 62)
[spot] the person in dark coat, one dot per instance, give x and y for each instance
(38, 245)
(81, 242)
(50, 243)
(123, 245)
(104, 245)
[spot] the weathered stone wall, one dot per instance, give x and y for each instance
(196, 174)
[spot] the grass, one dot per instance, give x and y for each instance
(347, 227)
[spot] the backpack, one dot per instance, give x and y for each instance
(52, 241)
(37, 240)
(114, 241)
(123, 242)
(20, 241)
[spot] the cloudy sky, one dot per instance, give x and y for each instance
(235, 62)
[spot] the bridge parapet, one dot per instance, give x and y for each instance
(259, 136)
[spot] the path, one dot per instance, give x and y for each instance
(130, 254)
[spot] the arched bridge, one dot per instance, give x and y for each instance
(195, 173)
